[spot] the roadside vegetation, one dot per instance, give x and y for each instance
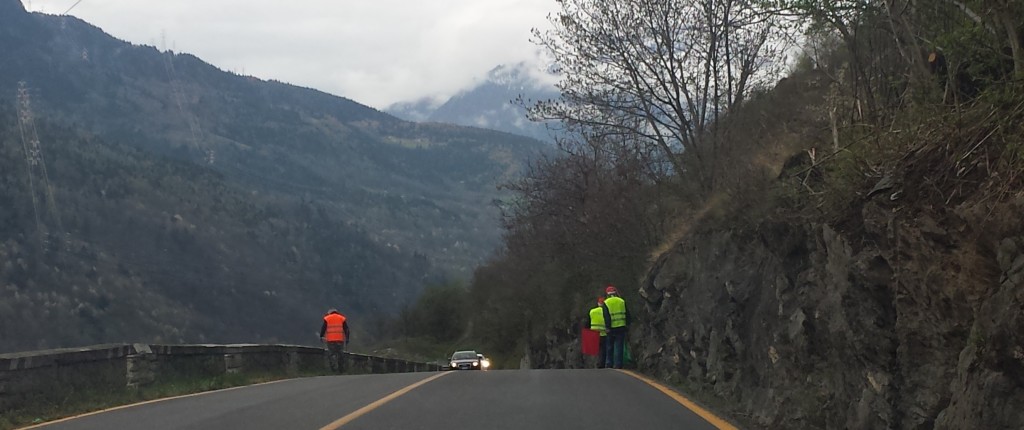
(428, 330)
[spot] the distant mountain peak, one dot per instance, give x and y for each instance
(507, 75)
(519, 76)
(489, 103)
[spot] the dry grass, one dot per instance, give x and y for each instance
(757, 141)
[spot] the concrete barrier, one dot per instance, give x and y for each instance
(39, 378)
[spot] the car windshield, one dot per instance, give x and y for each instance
(462, 355)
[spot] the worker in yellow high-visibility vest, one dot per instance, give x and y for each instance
(617, 318)
(597, 323)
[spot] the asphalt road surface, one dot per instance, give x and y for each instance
(513, 399)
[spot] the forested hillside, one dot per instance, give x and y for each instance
(138, 247)
(192, 204)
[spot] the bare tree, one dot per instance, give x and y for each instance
(599, 190)
(663, 70)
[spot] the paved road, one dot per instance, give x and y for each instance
(521, 399)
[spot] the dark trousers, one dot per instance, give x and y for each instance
(602, 352)
(336, 356)
(616, 342)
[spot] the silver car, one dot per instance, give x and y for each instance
(465, 360)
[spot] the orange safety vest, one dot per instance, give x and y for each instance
(335, 328)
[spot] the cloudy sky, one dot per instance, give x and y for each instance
(376, 52)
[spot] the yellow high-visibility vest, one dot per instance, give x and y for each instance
(617, 309)
(597, 320)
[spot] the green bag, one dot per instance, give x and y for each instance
(627, 356)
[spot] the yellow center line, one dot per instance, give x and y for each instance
(366, 409)
(704, 413)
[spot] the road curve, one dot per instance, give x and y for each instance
(520, 399)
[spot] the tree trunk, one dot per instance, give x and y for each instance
(1013, 37)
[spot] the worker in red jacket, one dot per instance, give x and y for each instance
(596, 322)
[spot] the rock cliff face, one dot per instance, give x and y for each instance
(897, 318)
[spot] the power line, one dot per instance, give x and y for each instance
(72, 7)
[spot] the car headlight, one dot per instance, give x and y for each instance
(476, 363)
(453, 364)
(485, 363)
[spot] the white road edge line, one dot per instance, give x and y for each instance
(132, 405)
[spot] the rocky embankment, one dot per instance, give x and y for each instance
(899, 318)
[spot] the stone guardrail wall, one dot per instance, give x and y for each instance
(51, 377)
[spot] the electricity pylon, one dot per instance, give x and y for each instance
(178, 93)
(47, 220)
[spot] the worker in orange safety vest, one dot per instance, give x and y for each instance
(334, 332)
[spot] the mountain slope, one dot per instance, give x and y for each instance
(137, 247)
(193, 204)
(265, 134)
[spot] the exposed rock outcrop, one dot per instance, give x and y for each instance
(896, 319)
